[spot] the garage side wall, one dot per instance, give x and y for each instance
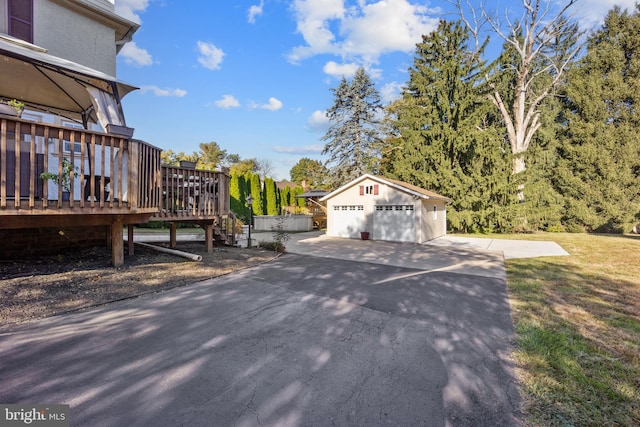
(434, 220)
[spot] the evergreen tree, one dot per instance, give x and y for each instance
(238, 194)
(599, 164)
(255, 189)
(353, 139)
(286, 197)
(271, 197)
(445, 137)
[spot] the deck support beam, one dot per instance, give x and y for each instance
(130, 239)
(117, 242)
(173, 241)
(208, 236)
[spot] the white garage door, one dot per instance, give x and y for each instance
(348, 220)
(394, 223)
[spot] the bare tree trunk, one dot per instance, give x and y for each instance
(537, 30)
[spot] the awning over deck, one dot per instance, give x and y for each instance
(55, 85)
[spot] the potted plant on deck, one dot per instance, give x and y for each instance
(364, 235)
(65, 178)
(12, 107)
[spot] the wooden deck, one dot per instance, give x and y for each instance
(200, 197)
(115, 181)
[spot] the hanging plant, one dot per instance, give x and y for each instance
(67, 167)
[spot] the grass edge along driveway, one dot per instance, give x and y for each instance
(577, 322)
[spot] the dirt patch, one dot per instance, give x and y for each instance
(45, 286)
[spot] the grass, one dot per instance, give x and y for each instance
(577, 320)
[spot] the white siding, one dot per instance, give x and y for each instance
(433, 224)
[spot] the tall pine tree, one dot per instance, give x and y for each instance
(353, 139)
(599, 167)
(445, 137)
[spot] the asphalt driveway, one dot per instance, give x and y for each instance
(303, 340)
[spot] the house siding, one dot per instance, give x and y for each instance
(90, 43)
(370, 193)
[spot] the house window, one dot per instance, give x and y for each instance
(394, 207)
(67, 144)
(67, 147)
(20, 19)
(369, 189)
(348, 208)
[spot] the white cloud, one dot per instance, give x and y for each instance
(273, 105)
(313, 23)
(178, 93)
(386, 26)
(366, 30)
(210, 56)
(591, 13)
(255, 10)
(129, 9)
(318, 121)
(340, 70)
(390, 92)
(307, 149)
(227, 101)
(134, 55)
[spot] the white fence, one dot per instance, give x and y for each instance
(291, 222)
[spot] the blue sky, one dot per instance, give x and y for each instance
(255, 75)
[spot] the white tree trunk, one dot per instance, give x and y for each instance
(529, 36)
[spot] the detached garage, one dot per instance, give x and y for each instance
(386, 208)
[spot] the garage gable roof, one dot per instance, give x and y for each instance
(398, 185)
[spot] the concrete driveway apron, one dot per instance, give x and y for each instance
(303, 340)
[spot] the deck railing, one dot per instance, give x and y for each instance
(190, 194)
(106, 173)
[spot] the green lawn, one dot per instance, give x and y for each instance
(577, 320)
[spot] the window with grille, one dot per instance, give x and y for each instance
(20, 19)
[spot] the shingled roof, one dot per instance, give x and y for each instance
(400, 185)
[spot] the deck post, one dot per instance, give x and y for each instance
(130, 239)
(172, 235)
(208, 236)
(117, 242)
